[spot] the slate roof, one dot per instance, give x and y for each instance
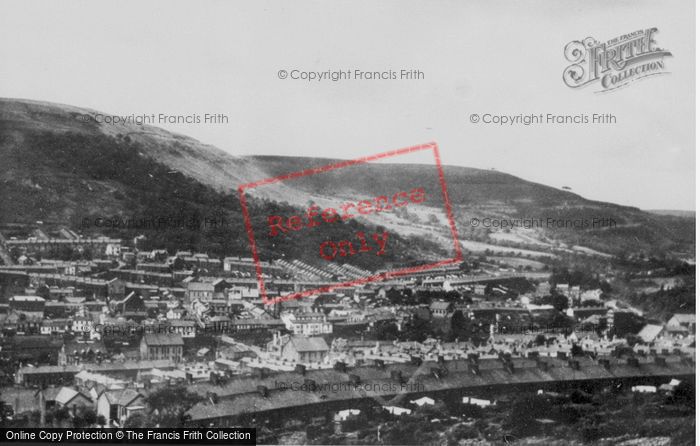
(242, 396)
(121, 397)
(440, 306)
(200, 286)
(684, 318)
(650, 332)
(104, 367)
(181, 323)
(271, 322)
(27, 299)
(50, 393)
(66, 394)
(313, 344)
(163, 339)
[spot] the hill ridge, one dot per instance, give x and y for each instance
(29, 183)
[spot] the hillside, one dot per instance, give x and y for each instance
(477, 193)
(60, 168)
(73, 175)
(673, 212)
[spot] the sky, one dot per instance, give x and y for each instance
(478, 57)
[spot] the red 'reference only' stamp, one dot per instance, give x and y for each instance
(282, 224)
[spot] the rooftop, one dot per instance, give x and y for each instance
(162, 339)
(304, 344)
(239, 396)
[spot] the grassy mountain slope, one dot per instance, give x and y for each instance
(59, 167)
(482, 193)
(68, 177)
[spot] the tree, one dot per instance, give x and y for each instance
(43, 291)
(524, 411)
(385, 331)
(87, 253)
(459, 326)
(540, 339)
(633, 340)
(458, 322)
(137, 420)
(178, 264)
(15, 253)
(85, 417)
(418, 330)
(576, 350)
(558, 301)
(170, 405)
(438, 410)
(684, 393)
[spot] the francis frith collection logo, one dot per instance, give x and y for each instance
(615, 63)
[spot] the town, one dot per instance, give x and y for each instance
(96, 331)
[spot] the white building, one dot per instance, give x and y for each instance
(175, 313)
(84, 324)
(395, 410)
(183, 327)
(113, 250)
(423, 401)
(242, 292)
(345, 414)
(308, 324)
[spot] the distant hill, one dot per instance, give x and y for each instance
(484, 193)
(671, 212)
(57, 166)
(61, 173)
